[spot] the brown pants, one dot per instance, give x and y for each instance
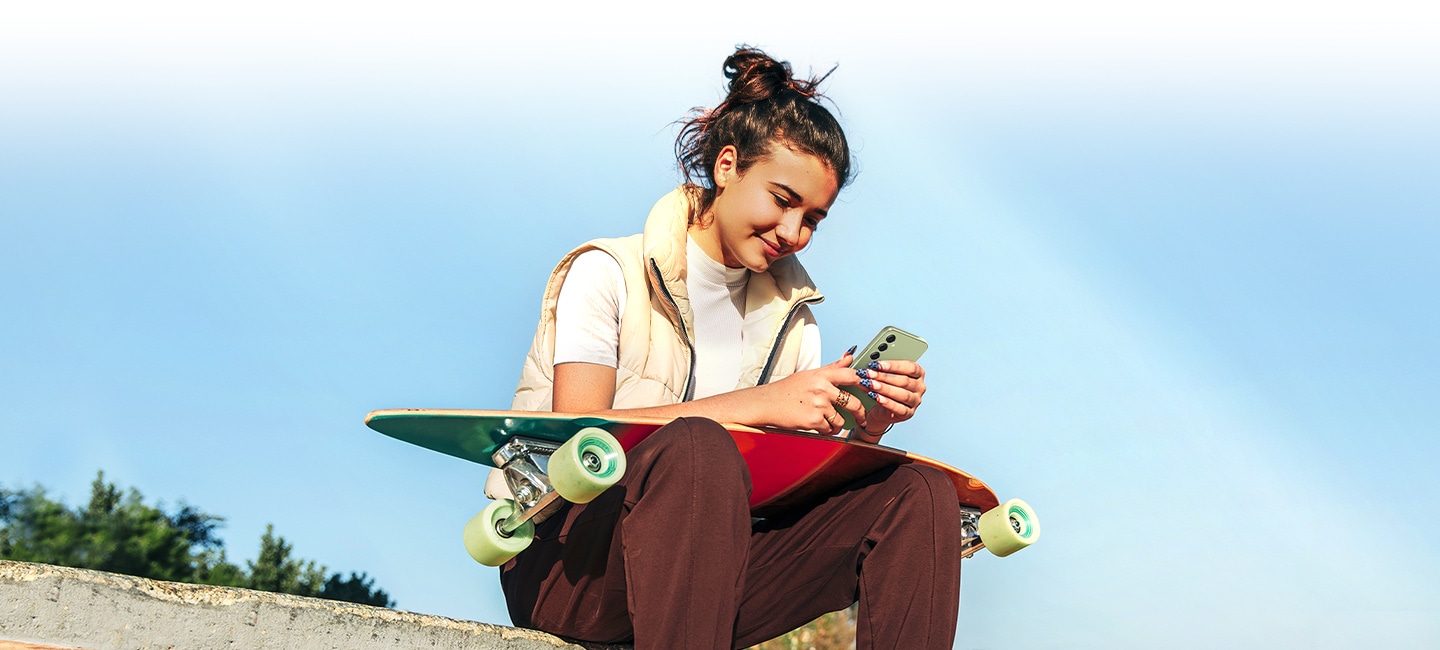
(670, 559)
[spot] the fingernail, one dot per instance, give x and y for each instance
(872, 394)
(874, 365)
(867, 383)
(851, 351)
(862, 373)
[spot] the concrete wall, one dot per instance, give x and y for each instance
(47, 606)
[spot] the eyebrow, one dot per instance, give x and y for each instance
(796, 196)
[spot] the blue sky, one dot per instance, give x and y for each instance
(1175, 265)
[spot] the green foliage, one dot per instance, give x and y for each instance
(833, 631)
(117, 532)
(275, 570)
(358, 588)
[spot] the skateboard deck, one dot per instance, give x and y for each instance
(788, 469)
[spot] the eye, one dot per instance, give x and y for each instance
(813, 223)
(781, 200)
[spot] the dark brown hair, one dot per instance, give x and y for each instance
(766, 105)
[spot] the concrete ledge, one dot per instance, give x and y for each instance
(48, 606)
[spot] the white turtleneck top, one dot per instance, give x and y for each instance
(587, 318)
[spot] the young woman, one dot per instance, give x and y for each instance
(705, 317)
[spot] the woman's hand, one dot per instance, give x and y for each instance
(811, 399)
(897, 388)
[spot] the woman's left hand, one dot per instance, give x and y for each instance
(897, 388)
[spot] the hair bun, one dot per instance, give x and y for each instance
(756, 76)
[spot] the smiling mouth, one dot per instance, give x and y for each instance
(772, 250)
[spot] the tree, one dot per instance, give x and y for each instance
(275, 570)
(358, 588)
(117, 532)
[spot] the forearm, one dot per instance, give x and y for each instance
(745, 406)
(590, 388)
(805, 400)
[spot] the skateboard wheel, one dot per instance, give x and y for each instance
(587, 464)
(483, 539)
(1009, 527)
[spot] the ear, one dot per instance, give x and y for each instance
(727, 166)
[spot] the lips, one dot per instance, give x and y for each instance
(771, 250)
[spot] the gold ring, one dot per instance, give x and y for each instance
(841, 400)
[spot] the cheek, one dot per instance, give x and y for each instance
(742, 213)
(761, 211)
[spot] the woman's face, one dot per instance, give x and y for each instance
(768, 212)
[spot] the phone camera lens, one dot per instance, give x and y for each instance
(884, 347)
(890, 339)
(874, 356)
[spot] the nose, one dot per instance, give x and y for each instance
(788, 230)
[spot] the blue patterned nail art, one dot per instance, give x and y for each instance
(862, 373)
(867, 383)
(851, 350)
(874, 365)
(873, 395)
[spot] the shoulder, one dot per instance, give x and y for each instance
(595, 261)
(622, 250)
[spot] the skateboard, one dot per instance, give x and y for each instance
(549, 458)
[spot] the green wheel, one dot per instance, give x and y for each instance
(1009, 527)
(587, 464)
(485, 543)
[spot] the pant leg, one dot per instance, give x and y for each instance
(657, 558)
(890, 541)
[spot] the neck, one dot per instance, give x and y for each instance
(708, 239)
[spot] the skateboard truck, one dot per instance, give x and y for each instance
(525, 462)
(970, 542)
(541, 475)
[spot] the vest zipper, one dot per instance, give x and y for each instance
(660, 280)
(785, 326)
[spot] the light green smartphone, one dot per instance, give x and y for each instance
(892, 343)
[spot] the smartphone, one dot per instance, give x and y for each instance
(892, 343)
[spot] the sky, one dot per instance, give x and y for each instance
(1175, 266)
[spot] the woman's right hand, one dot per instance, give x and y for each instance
(811, 399)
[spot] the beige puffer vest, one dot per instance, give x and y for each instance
(656, 321)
